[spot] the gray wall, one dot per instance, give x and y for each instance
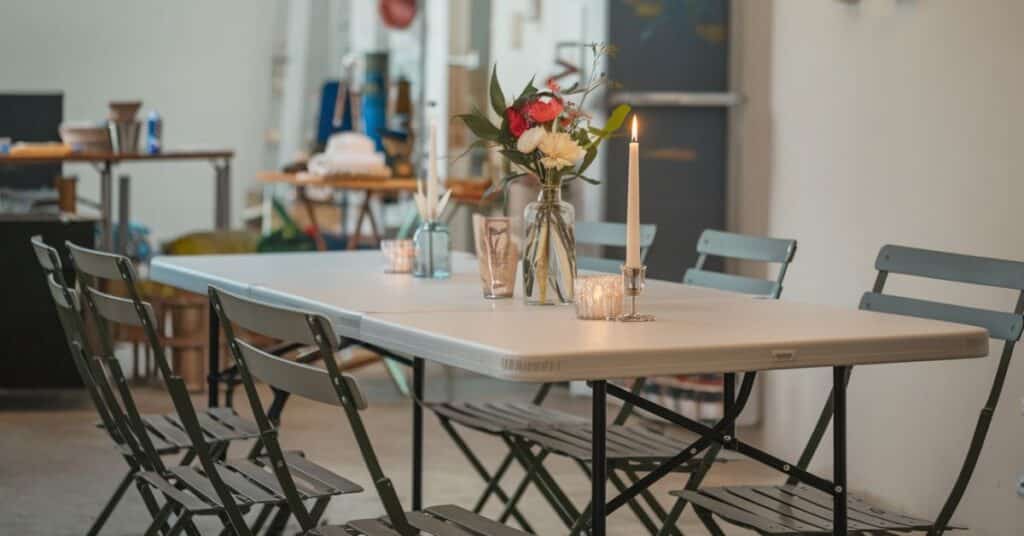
(877, 122)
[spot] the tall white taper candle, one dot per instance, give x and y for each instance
(633, 203)
(432, 173)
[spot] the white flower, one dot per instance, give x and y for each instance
(529, 140)
(560, 150)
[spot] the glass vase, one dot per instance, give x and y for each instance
(433, 251)
(549, 254)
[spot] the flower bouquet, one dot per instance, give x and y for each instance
(545, 133)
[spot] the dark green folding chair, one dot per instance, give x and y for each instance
(327, 385)
(795, 508)
(92, 370)
(532, 432)
(187, 491)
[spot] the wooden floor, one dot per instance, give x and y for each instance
(57, 468)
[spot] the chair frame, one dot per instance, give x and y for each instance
(530, 454)
(1004, 326)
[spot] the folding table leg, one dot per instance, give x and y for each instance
(418, 380)
(213, 359)
(839, 525)
(599, 461)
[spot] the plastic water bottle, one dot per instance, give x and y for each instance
(154, 132)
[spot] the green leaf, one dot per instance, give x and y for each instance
(497, 97)
(528, 90)
(590, 180)
(501, 184)
(477, 143)
(588, 159)
(616, 119)
(517, 157)
(480, 125)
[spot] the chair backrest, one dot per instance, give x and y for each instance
(93, 268)
(714, 243)
(592, 233)
(326, 385)
(1001, 325)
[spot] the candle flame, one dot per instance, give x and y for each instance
(634, 127)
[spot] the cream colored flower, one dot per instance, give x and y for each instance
(560, 150)
(528, 142)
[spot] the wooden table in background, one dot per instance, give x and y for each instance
(105, 162)
(465, 191)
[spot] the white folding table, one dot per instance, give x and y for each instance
(697, 331)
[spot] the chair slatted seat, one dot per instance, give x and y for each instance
(251, 483)
(794, 508)
(496, 418)
(295, 476)
(446, 520)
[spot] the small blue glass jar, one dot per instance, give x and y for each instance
(433, 251)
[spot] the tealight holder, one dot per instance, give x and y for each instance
(399, 254)
(598, 297)
(633, 281)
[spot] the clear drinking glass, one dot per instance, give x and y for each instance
(497, 254)
(433, 251)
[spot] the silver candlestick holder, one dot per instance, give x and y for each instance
(633, 281)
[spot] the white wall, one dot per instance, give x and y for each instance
(891, 122)
(204, 65)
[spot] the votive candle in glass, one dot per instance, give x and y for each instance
(399, 255)
(598, 297)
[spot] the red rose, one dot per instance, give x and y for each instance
(516, 122)
(544, 109)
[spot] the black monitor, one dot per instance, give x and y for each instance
(30, 117)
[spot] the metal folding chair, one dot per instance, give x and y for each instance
(532, 433)
(796, 508)
(327, 385)
(191, 491)
(94, 377)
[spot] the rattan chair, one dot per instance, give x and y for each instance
(329, 386)
(795, 508)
